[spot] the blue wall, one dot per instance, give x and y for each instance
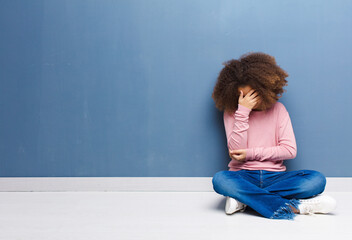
(123, 88)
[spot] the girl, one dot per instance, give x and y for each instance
(260, 138)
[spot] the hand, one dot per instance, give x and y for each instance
(250, 100)
(238, 154)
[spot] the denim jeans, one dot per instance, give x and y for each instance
(267, 192)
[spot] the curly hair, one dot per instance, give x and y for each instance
(256, 69)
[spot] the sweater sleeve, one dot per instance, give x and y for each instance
(236, 126)
(286, 149)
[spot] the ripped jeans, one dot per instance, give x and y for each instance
(267, 192)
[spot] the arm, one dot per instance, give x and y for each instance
(287, 148)
(236, 126)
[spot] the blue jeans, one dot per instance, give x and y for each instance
(267, 192)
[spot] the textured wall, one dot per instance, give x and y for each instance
(123, 88)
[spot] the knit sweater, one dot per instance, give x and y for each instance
(267, 136)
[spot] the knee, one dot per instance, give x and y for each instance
(217, 179)
(316, 182)
(224, 182)
(319, 181)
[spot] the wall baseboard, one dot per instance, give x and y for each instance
(132, 184)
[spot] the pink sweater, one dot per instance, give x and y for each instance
(267, 135)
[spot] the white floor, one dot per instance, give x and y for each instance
(155, 215)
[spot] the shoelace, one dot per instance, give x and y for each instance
(309, 200)
(308, 208)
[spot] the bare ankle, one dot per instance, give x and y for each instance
(294, 209)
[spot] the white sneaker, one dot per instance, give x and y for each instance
(317, 204)
(232, 205)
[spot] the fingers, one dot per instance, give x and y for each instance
(238, 158)
(252, 94)
(237, 154)
(255, 100)
(254, 97)
(251, 91)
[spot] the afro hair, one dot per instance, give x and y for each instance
(255, 69)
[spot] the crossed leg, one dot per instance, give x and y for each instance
(280, 189)
(297, 184)
(246, 190)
